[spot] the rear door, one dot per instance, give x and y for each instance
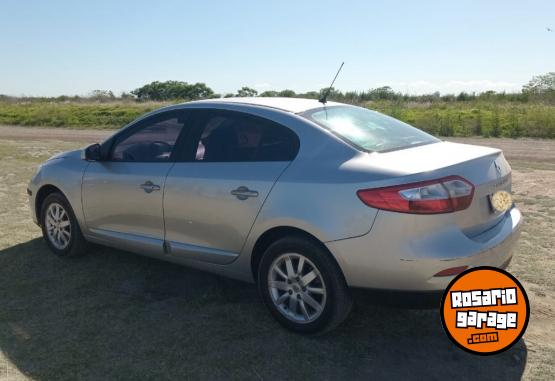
(215, 191)
(122, 194)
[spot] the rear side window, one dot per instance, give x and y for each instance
(237, 137)
(369, 130)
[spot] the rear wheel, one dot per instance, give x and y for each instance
(60, 228)
(302, 286)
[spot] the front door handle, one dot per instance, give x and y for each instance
(242, 193)
(150, 187)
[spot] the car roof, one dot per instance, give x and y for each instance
(294, 105)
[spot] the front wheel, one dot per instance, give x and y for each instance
(302, 286)
(60, 228)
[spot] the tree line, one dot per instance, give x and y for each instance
(540, 88)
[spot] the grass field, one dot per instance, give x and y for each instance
(471, 118)
(78, 115)
(476, 118)
(114, 315)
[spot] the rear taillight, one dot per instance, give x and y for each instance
(445, 195)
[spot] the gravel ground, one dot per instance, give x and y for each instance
(114, 315)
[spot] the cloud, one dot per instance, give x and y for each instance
(454, 86)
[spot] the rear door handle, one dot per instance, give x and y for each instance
(150, 187)
(242, 193)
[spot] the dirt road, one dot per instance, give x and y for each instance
(528, 150)
(60, 134)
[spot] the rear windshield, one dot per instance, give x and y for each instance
(368, 130)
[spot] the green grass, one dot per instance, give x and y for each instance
(480, 118)
(470, 118)
(73, 114)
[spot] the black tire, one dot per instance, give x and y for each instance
(338, 302)
(77, 244)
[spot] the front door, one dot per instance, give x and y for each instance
(122, 195)
(212, 198)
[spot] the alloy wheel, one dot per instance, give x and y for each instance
(58, 226)
(297, 288)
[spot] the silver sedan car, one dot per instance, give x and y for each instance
(308, 200)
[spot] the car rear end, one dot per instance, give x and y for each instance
(435, 224)
(437, 213)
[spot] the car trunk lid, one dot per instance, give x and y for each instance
(485, 167)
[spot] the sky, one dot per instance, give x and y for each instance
(50, 48)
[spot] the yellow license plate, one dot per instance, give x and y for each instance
(501, 201)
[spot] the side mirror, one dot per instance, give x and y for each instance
(92, 152)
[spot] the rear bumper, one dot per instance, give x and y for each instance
(404, 252)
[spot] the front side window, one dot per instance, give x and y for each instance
(369, 130)
(236, 137)
(152, 141)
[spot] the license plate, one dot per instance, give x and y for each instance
(501, 201)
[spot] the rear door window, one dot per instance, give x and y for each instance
(238, 137)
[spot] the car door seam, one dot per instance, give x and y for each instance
(261, 206)
(83, 195)
(165, 246)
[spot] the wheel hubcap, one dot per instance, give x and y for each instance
(297, 288)
(58, 226)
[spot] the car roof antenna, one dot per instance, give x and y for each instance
(324, 98)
